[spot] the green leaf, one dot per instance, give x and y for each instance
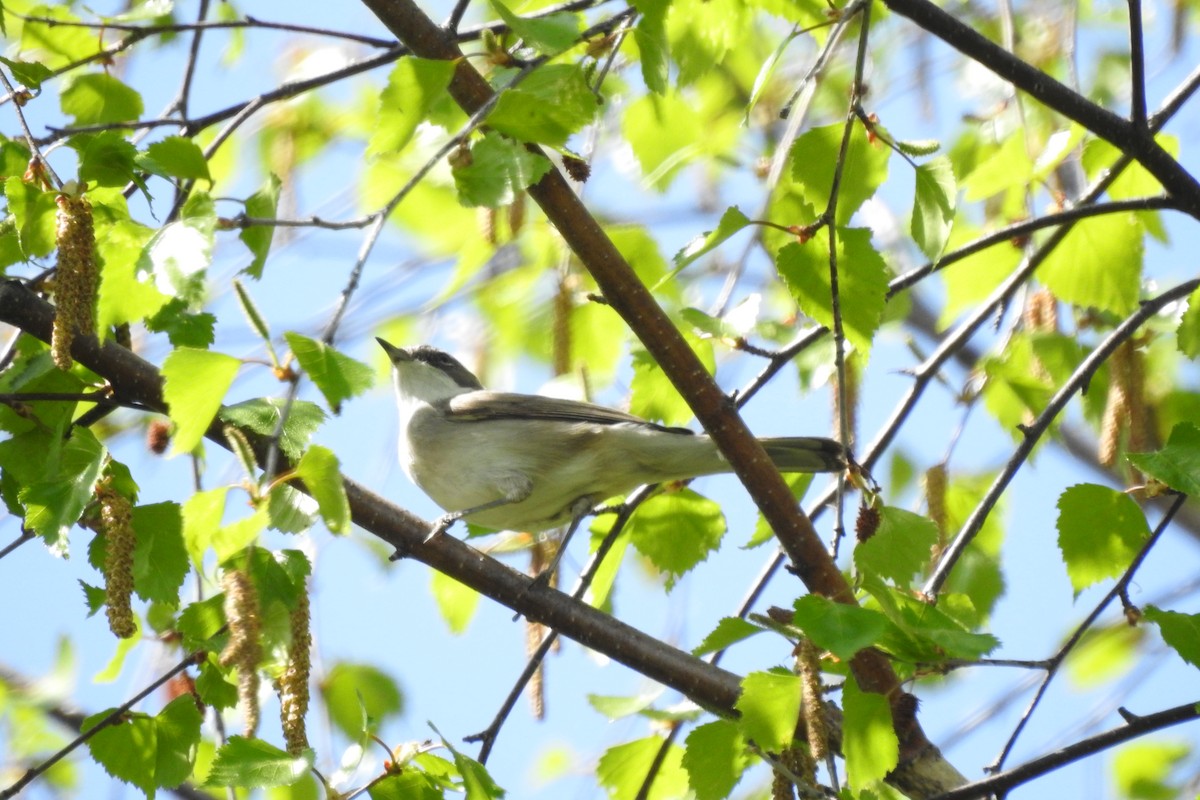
(178, 256)
(195, 383)
(212, 686)
(499, 169)
(411, 784)
(715, 758)
(933, 206)
(34, 212)
(624, 767)
(414, 88)
(1181, 632)
(547, 108)
(252, 763)
(127, 294)
(106, 159)
(291, 510)
(1142, 770)
(54, 503)
(549, 35)
(29, 73)
(837, 627)
(1189, 327)
(1006, 167)
(199, 622)
(769, 706)
(900, 548)
(732, 221)
(1100, 530)
(176, 157)
(862, 282)
(456, 601)
(765, 73)
(868, 741)
(1178, 463)
(338, 376)
(261, 205)
(149, 752)
(232, 538)
(261, 415)
(477, 784)
(653, 396)
(183, 328)
(319, 470)
(1103, 654)
(973, 278)
(97, 98)
(650, 34)
(814, 159)
(202, 514)
(160, 560)
(615, 707)
(677, 531)
(360, 693)
(916, 631)
(730, 630)
(1112, 283)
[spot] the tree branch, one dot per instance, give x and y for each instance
(633, 301)
(1134, 727)
(1124, 135)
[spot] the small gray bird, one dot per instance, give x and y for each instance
(527, 463)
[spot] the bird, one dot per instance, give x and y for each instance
(522, 462)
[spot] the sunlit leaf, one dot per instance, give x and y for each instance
(1100, 530)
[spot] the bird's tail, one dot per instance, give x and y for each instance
(805, 453)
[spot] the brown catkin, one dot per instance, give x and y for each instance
(76, 278)
(935, 502)
(486, 219)
(158, 436)
(848, 395)
(116, 520)
(516, 215)
(293, 684)
(244, 649)
(1125, 409)
(1041, 312)
(867, 524)
(816, 727)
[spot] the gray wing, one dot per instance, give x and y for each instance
(485, 405)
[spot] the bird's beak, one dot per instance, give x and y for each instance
(394, 353)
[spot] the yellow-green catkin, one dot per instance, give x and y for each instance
(244, 649)
(293, 684)
(116, 521)
(76, 278)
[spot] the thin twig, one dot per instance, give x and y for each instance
(583, 583)
(115, 716)
(202, 25)
(29, 140)
(1033, 433)
(1137, 66)
(1057, 659)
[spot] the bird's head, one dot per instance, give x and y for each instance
(426, 374)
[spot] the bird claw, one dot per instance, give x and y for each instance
(442, 524)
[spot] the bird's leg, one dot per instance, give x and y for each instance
(579, 509)
(517, 490)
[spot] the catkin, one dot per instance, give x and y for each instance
(116, 520)
(815, 725)
(76, 279)
(293, 685)
(244, 649)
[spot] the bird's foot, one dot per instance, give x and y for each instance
(441, 525)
